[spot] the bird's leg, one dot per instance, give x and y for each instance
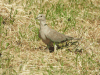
(48, 47)
(55, 47)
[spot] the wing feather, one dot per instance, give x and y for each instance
(55, 36)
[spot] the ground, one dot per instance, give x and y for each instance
(23, 53)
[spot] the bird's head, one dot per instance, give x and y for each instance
(41, 17)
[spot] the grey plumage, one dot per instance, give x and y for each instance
(50, 36)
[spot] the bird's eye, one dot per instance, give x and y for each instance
(41, 16)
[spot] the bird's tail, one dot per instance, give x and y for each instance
(72, 38)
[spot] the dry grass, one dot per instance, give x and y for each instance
(23, 53)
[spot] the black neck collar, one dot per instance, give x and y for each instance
(45, 24)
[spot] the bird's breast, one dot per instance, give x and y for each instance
(42, 35)
(45, 39)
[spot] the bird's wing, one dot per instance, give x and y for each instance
(55, 36)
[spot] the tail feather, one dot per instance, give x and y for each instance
(72, 38)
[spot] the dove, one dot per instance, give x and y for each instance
(50, 36)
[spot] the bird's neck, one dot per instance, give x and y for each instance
(43, 24)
